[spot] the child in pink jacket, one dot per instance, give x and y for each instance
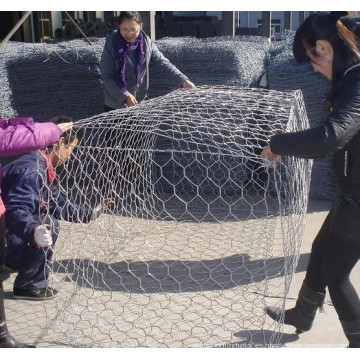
(18, 136)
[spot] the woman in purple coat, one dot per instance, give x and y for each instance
(125, 64)
(18, 136)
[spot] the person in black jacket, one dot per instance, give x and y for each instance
(34, 204)
(329, 43)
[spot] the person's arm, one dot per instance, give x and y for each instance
(21, 135)
(333, 134)
(22, 201)
(173, 74)
(61, 208)
(108, 72)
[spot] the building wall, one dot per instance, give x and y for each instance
(41, 21)
(249, 19)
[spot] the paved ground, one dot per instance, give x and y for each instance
(326, 332)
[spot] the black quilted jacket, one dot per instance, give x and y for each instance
(338, 136)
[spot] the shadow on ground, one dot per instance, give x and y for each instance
(174, 276)
(261, 339)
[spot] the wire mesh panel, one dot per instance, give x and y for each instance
(203, 234)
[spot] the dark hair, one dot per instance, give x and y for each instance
(340, 33)
(70, 135)
(129, 15)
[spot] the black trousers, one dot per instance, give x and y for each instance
(331, 262)
(2, 240)
(3, 328)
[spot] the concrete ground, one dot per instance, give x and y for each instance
(326, 332)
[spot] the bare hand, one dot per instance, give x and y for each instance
(187, 84)
(269, 156)
(65, 126)
(131, 100)
(108, 202)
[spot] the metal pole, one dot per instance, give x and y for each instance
(12, 32)
(78, 27)
(287, 20)
(152, 25)
(266, 24)
(228, 23)
(32, 27)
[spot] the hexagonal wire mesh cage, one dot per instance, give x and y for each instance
(203, 234)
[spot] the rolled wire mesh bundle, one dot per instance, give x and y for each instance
(212, 61)
(285, 45)
(178, 265)
(6, 110)
(44, 80)
(284, 74)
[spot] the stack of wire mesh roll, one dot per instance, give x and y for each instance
(235, 61)
(45, 80)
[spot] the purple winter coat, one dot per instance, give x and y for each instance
(21, 135)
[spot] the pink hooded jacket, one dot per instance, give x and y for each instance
(21, 135)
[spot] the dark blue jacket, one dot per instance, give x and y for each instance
(27, 194)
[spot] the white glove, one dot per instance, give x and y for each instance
(42, 236)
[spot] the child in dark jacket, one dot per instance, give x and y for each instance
(34, 206)
(18, 136)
